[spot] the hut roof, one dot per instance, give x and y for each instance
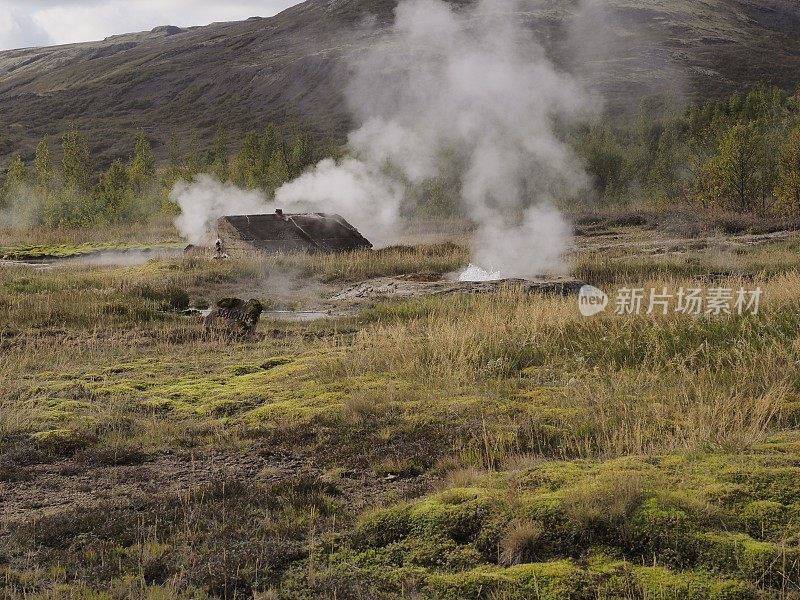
(279, 232)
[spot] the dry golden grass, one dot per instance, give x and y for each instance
(160, 230)
(607, 500)
(612, 385)
(542, 378)
(520, 543)
(364, 264)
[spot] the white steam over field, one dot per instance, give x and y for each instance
(465, 91)
(356, 189)
(206, 200)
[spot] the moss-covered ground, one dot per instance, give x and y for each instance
(683, 525)
(494, 447)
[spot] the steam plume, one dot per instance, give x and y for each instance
(465, 92)
(356, 189)
(469, 91)
(23, 207)
(206, 200)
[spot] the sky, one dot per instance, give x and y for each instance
(25, 23)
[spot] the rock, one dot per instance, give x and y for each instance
(234, 316)
(167, 30)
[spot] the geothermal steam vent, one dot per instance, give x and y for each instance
(279, 232)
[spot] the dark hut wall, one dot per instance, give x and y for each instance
(232, 241)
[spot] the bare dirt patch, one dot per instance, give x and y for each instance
(71, 484)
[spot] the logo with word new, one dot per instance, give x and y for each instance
(592, 301)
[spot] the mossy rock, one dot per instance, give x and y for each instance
(254, 310)
(228, 303)
(234, 316)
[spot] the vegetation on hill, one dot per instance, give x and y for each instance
(740, 155)
(288, 68)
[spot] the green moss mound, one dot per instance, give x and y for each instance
(664, 527)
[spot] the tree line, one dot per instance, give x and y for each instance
(40, 192)
(741, 154)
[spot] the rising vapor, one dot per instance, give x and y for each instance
(458, 91)
(470, 91)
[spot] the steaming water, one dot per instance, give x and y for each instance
(476, 273)
(120, 258)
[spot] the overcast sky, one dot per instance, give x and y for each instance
(25, 23)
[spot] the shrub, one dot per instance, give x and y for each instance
(521, 543)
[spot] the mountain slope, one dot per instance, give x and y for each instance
(288, 68)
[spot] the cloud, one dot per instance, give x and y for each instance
(19, 30)
(28, 23)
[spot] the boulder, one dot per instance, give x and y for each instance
(234, 316)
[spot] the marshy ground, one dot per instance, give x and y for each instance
(451, 446)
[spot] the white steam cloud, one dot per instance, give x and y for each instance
(472, 91)
(535, 246)
(345, 188)
(23, 207)
(451, 91)
(357, 190)
(206, 200)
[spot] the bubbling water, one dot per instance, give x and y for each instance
(476, 273)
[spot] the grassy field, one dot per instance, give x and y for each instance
(498, 446)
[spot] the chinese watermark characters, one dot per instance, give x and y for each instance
(713, 301)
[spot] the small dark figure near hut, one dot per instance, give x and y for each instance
(219, 250)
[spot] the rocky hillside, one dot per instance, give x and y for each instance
(288, 68)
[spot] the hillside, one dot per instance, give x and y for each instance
(288, 69)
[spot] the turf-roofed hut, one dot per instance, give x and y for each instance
(282, 232)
